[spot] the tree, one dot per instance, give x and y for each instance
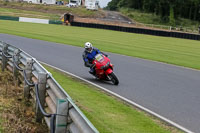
(171, 16)
(113, 5)
(165, 8)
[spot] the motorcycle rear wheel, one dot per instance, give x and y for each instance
(114, 78)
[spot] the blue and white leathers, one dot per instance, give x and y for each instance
(89, 57)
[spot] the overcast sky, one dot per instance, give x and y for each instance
(103, 3)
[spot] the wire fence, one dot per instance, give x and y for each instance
(194, 30)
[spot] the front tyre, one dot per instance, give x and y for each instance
(114, 78)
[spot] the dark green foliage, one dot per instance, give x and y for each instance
(169, 10)
(171, 16)
(113, 5)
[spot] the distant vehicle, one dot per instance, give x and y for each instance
(32, 1)
(92, 4)
(48, 1)
(41, 1)
(71, 5)
(74, 3)
(59, 3)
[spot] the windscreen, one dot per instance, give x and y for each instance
(99, 57)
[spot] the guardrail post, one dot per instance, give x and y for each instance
(28, 71)
(4, 59)
(42, 81)
(15, 70)
(61, 121)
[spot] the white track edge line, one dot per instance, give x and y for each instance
(125, 99)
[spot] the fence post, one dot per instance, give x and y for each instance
(199, 29)
(4, 59)
(15, 70)
(170, 28)
(62, 121)
(42, 81)
(28, 71)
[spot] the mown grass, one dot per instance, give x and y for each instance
(29, 14)
(180, 52)
(106, 113)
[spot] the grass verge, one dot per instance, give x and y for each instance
(108, 114)
(180, 52)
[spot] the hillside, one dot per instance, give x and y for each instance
(160, 12)
(45, 10)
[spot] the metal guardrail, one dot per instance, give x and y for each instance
(51, 101)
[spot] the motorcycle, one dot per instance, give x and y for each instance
(104, 69)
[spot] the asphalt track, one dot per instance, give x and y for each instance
(170, 91)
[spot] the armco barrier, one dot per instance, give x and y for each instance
(50, 100)
(9, 18)
(33, 20)
(140, 30)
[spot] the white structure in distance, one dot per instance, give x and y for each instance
(92, 4)
(89, 4)
(74, 3)
(41, 1)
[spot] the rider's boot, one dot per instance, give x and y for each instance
(92, 72)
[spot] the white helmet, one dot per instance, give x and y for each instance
(88, 47)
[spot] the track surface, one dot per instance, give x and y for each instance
(172, 92)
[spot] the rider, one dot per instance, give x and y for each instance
(89, 55)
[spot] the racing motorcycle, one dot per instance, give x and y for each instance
(104, 69)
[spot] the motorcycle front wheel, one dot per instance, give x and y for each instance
(114, 78)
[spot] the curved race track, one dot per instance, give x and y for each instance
(172, 92)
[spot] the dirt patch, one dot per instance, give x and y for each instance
(116, 16)
(16, 115)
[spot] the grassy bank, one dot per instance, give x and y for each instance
(164, 49)
(106, 113)
(149, 18)
(29, 14)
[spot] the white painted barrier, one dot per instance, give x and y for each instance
(34, 20)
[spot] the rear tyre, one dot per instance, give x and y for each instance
(114, 79)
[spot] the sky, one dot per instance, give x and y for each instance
(103, 3)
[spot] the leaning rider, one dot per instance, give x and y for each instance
(89, 55)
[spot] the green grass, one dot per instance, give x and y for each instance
(149, 18)
(106, 113)
(180, 52)
(30, 14)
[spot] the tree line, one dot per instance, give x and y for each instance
(168, 10)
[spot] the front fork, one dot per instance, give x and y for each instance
(108, 72)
